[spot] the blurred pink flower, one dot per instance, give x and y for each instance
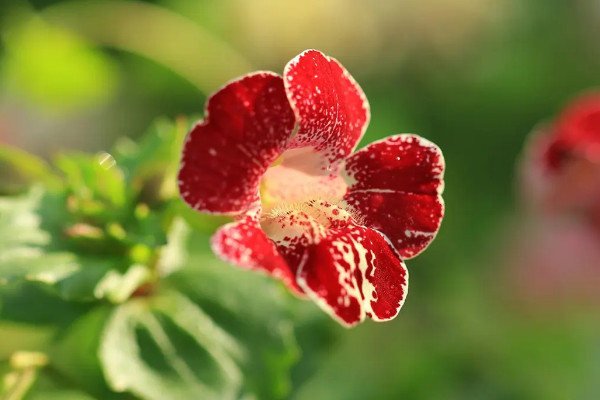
(561, 166)
(556, 253)
(556, 262)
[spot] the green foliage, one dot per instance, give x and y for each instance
(99, 249)
(28, 165)
(263, 330)
(55, 68)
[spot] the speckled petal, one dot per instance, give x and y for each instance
(243, 243)
(283, 185)
(354, 273)
(331, 109)
(246, 127)
(295, 227)
(396, 184)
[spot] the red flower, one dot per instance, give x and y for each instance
(276, 153)
(562, 162)
(556, 258)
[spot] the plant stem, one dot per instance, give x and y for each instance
(24, 382)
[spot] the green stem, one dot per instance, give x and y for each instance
(24, 382)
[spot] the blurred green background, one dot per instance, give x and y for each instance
(473, 76)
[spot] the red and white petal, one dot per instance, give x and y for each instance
(353, 273)
(395, 185)
(243, 243)
(283, 185)
(247, 126)
(295, 227)
(331, 110)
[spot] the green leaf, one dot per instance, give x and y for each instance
(207, 331)
(29, 303)
(75, 351)
(58, 394)
(28, 166)
(55, 68)
(157, 154)
(81, 285)
(203, 223)
(40, 384)
(22, 241)
(34, 265)
(27, 252)
(155, 356)
(117, 287)
(174, 254)
(23, 337)
(94, 178)
(251, 308)
(146, 229)
(19, 223)
(23, 256)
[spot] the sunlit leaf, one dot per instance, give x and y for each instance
(91, 178)
(117, 287)
(55, 68)
(143, 351)
(142, 310)
(251, 308)
(174, 254)
(19, 223)
(152, 164)
(158, 148)
(30, 167)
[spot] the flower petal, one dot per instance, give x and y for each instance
(243, 243)
(295, 227)
(331, 109)
(283, 185)
(578, 126)
(395, 184)
(352, 273)
(556, 179)
(247, 126)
